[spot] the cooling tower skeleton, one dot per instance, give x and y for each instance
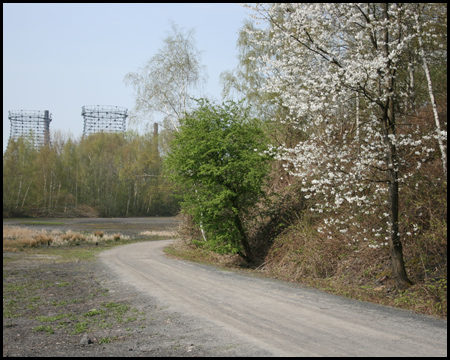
(32, 124)
(103, 118)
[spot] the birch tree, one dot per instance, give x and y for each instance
(426, 69)
(18, 181)
(245, 82)
(166, 82)
(337, 53)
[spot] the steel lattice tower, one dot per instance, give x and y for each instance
(34, 125)
(103, 118)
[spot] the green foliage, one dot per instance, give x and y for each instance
(218, 161)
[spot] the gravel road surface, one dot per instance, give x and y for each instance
(273, 318)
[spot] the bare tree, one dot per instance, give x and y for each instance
(165, 83)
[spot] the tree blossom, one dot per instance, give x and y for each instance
(337, 73)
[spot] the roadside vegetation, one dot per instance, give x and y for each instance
(16, 238)
(70, 245)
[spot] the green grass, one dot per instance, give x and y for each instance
(51, 318)
(80, 327)
(94, 312)
(47, 328)
(107, 340)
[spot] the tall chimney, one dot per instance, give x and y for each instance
(46, 127)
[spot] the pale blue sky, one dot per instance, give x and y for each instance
(59, 57)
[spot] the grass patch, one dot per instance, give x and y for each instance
(94, 312)
(79, 328)
(47, 328)
(51, 318)
(62, 243)
(107, 340)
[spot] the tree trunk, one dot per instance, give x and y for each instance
(398, 266)
(25, 196)
(248, 256)
(433, 101)
(18, 195)
(388, 127)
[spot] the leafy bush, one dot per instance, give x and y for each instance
(219, 161)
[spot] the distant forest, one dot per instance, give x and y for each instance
(104, 174)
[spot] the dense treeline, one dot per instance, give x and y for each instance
(105, 174)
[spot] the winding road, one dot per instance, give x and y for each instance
(275, 316)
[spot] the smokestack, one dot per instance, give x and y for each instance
(47, 127)
(155, 129)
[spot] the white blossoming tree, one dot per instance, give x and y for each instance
(340, 80)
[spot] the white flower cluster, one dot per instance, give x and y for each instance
(335, 63)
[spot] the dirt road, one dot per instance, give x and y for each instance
(273, 316)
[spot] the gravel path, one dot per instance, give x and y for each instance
(263, 317)
(39, 287)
